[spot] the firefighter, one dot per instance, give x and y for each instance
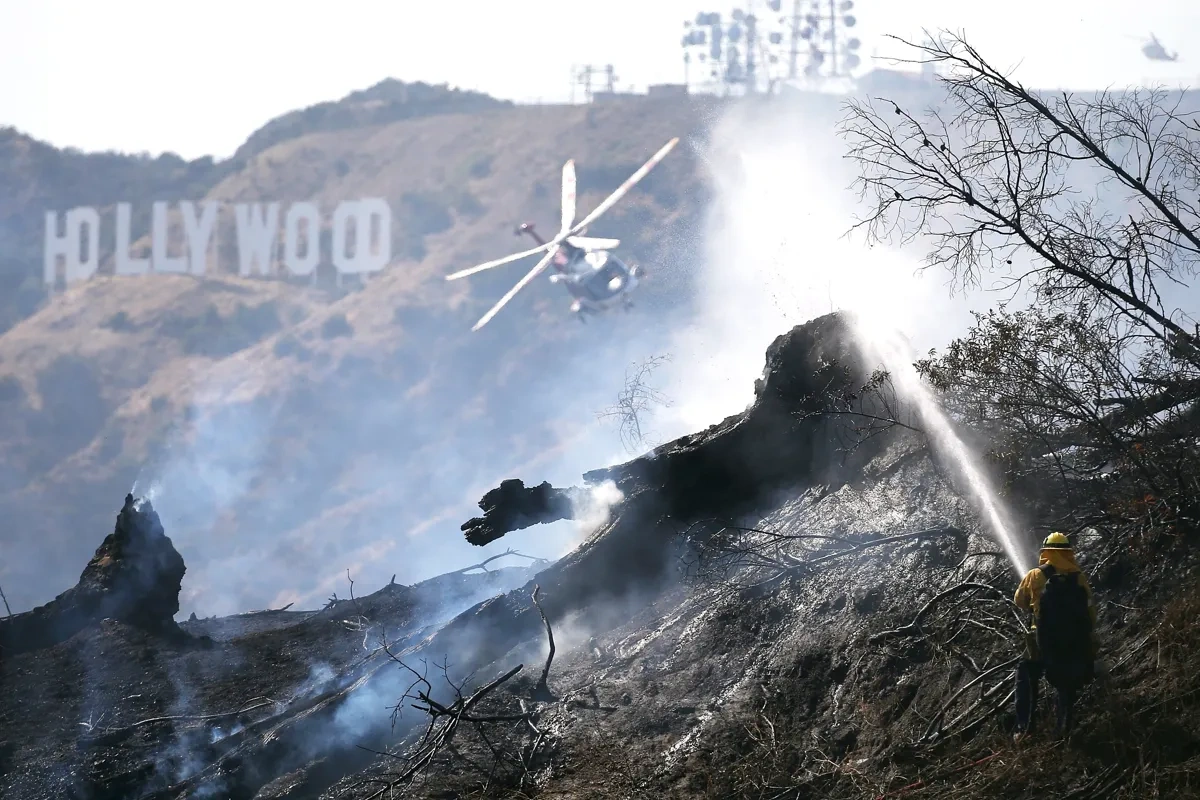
(1062, 644)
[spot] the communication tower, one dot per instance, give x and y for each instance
(820, 31)
(748, 51)
(723, 53)
(582, 76)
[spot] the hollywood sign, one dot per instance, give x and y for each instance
(76, 242)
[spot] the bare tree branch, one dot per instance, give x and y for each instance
(997, 173)
(1089, 201)
(483, 564)
(542, 690)
(636, 398)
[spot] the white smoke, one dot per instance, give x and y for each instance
(208, 466)
(897, 357)
(781, 251)
(778, 254)
(592, 510)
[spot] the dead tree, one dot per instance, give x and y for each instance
(991, 178)
(1100, 372)
(635, 400)
(542, 690)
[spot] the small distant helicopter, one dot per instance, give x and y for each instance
(595, 277)
(1154, 51)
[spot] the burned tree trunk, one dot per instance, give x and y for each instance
(787, 437)
(511, 506)
(134, 577)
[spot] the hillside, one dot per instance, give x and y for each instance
(36, 177)
(365, 553)
(387, 101)
(312, 425)
(791, 621)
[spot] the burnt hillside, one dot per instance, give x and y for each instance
(834, 628)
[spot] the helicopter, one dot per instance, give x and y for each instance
(595, 277)
(1154, 51)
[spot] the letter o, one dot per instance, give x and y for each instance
(295, 263)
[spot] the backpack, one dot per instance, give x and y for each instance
(1064, 628)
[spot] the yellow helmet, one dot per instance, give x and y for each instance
(1056, 541)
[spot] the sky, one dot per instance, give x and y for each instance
(197, 78)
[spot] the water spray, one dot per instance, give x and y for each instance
(776, 257)
(896, 355)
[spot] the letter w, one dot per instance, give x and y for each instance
(257, 235)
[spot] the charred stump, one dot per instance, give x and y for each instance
(134, 577)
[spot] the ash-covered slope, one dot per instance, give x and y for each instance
(106, 696)
(837, 629)
(774, 610)
(314, 738)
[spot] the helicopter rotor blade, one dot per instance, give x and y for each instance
(501, 261)
(592, 243)
(629, 183)
(568, 197)
(521, 284)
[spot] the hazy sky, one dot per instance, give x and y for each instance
(197, 78)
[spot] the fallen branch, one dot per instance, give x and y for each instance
(1103, 785)
(787, 537)
(981, 554)
(436, 738)
(483, 564)
(900, 537)
(914, 628)
(542, 691)
(268, 610)
(265, 701)
(804, 566)
(933, 722)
